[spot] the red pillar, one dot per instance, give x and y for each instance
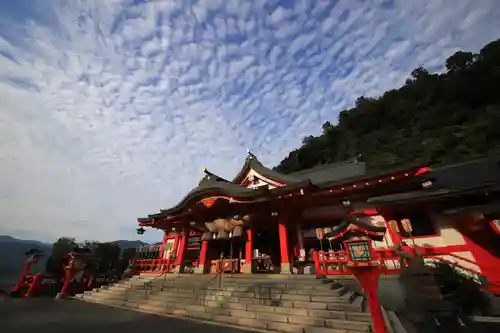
(368, 279)
(285, 260)
(203, 256)
(162, 247)
(248, 252)
(90, 282)
(22, 277)
(35, 285)
(283, 243)
(180, 251)
(67, 278)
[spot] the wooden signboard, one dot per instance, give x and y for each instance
(194, 241)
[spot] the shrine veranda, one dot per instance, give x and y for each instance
(263, 221)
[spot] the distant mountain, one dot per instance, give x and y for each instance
(126, 244)
(12, 256)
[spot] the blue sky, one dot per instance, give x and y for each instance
(110, 109)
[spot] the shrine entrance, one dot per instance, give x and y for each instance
(266, 256)
(229, 251)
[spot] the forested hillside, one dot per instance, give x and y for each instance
(446, 117)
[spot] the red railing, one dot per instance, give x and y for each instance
(335, 263)
(152, 265)
(331, 263)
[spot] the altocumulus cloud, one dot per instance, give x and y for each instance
(109, 109)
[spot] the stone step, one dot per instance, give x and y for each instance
(265, 303)
(354, 304)
(268, 277)
(301, 288)
(345, 298)
(235, 304)
(258, 303)
(240, 287)
(229, 284)
(333, 296)
(281, 319)
(239, 321)
(257, 317)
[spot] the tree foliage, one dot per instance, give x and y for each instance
(447, 118)
(60, 248)
(100, 258)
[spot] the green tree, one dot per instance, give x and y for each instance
(448, 117)
(60, 248)
(459, 61)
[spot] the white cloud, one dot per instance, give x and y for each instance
(278, 15)
(108, 110)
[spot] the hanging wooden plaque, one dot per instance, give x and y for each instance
(393, 225)
(406, 225)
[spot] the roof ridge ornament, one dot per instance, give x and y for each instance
(250, 154)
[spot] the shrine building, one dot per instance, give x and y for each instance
(265, 221)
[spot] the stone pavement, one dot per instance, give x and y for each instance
(69, 316)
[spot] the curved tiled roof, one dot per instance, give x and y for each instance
(322, 177)
(343, 230)
(451, 180)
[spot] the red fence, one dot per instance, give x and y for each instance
(335, 263)
(153, 265)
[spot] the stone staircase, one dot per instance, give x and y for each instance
(283, 303)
